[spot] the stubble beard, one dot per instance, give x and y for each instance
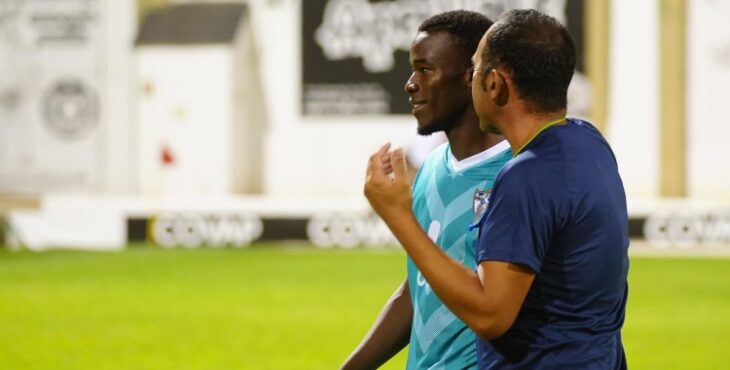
(445, 123)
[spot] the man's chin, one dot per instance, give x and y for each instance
(431, 126)
(489, 128)
(425, 131)
(423, 128)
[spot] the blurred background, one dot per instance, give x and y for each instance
(221, 148)
(261, 114)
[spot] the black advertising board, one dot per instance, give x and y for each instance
(351, 229)
(355, 52)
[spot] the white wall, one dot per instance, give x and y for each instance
(708, 79)
(633, 122)
(633, 109)
(310, 156)
(185, 105)
(249, 111)
(120, 29)
(326, 156)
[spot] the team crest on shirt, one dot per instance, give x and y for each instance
(480, 205)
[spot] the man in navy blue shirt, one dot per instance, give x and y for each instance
(550, 287)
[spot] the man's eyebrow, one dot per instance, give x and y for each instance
(421, 60)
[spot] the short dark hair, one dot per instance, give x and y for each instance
(465, 27)
(540, 54)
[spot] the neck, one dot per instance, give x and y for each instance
(522, 127)
(466, 139)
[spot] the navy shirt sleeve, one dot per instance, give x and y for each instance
(525, 208)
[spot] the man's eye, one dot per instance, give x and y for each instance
(424, 69)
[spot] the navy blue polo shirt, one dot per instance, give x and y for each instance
(559, 208)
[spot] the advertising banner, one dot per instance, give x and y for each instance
(664, 228)
(355, 52)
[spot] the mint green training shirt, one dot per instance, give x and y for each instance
(445, 196)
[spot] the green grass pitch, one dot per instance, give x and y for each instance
(270, 307)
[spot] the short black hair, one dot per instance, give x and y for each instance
(540, 54)
(465, 27)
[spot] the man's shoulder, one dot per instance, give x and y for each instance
(526, 163)
(531, 170)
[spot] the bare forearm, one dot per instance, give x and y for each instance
(487, 302)
(389, 334)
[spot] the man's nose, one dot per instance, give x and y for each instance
(411, 87)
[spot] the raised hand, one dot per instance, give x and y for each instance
(387, 185)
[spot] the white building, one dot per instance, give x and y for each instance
(199, 112)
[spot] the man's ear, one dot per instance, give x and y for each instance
(498, 87)
(495, 83)
(469, 77)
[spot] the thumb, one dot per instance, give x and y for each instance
(398, 161)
